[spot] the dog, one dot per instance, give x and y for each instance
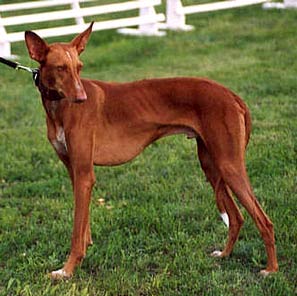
(92, 122)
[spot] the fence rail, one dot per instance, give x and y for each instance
(176, 12)
(146, 21)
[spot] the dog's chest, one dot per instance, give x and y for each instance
(59, 142)
(55, 129)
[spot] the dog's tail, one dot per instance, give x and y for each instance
(248, 125)
(247, 118)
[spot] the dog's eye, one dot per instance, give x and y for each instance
(61, 68)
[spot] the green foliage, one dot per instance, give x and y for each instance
(159, 221)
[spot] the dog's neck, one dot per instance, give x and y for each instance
(51, 101)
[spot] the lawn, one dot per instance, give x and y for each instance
(159, 223)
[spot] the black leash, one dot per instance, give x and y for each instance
(17, 66)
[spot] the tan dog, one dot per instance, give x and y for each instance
(92, 122)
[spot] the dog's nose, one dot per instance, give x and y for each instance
(81, 95)
(80, 99)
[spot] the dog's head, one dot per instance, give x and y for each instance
(59, 64)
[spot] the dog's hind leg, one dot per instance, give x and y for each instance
(224, 200)
(236, 178)
(212, 176)
(226, 145)
(235, 218)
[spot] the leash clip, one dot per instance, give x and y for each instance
(18, 66)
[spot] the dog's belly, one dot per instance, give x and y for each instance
(116, 153)
(116, 150)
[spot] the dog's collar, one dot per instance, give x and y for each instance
(47, 93)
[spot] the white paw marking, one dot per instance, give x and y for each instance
(225, 218)
(264, 273)
(61, 273)
(216, 254)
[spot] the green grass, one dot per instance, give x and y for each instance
(161, 224)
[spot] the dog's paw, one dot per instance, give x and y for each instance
(216, 253)
(60, 274)
(89, 243)
(265, 272)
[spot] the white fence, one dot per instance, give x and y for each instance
(281, 5)
(147, 19)
(176, 12)
(148, 22)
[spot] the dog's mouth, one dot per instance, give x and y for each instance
(80, 95)
(78, 100)
(54, 95)
(74, 94)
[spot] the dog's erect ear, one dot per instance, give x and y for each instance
(37, 47)
(80, 41)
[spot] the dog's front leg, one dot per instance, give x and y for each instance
(83, 180)
(65, 159)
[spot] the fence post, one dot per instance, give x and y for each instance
(152, 28)
(75, 6)
(5, 49)
(175, 18)
(148, 29)
(281, 5)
